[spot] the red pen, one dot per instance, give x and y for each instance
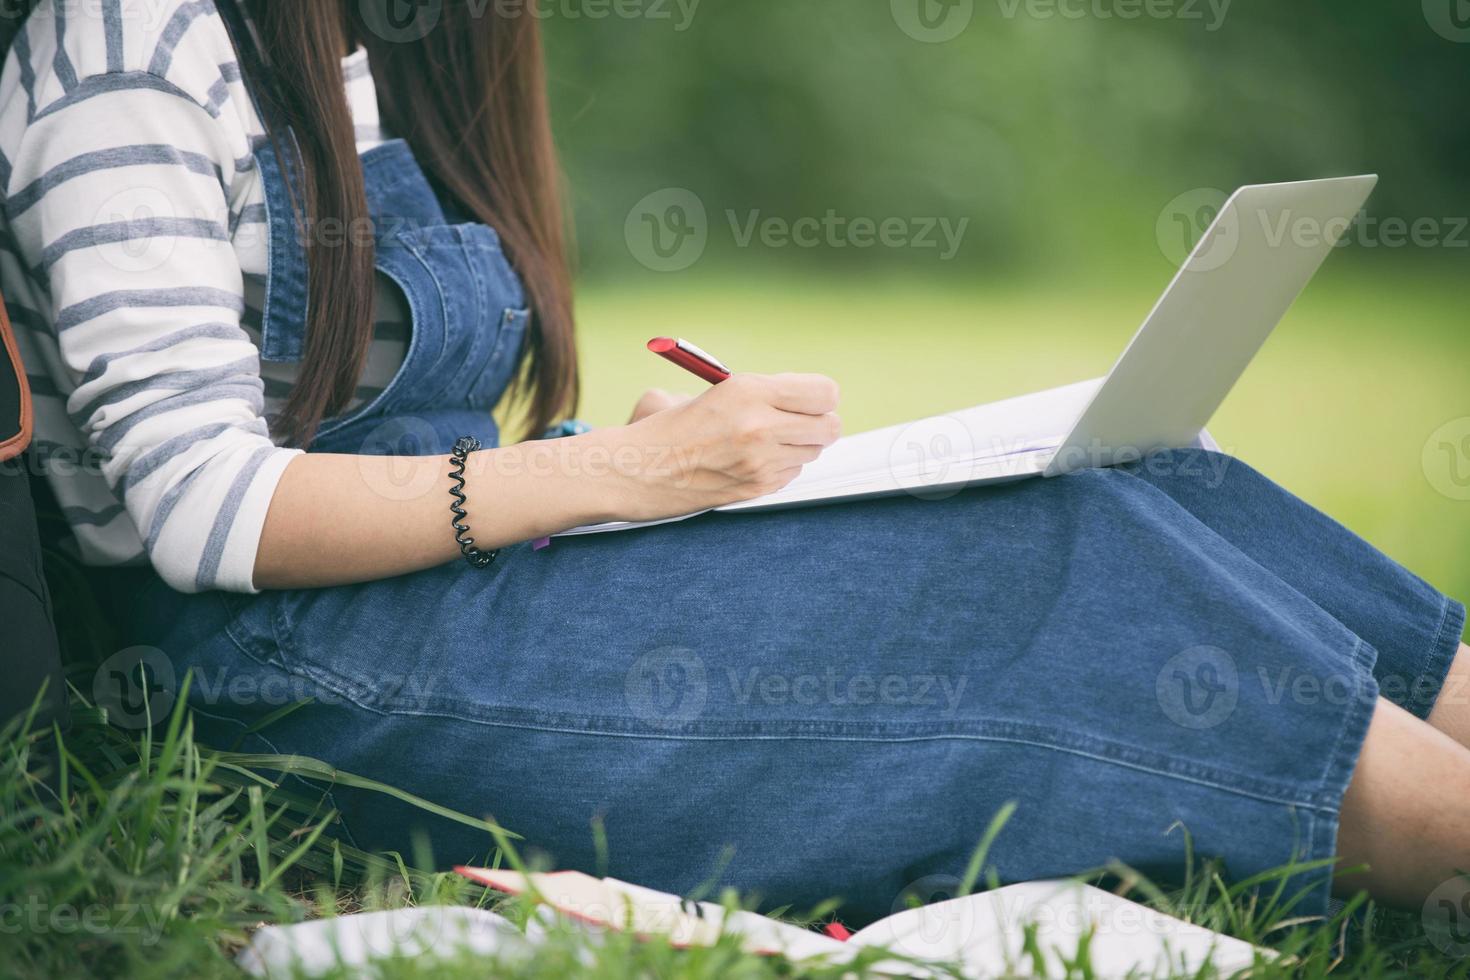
(690, 358)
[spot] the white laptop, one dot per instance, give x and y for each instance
(1259, 253)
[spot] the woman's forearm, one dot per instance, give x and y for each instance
(337, 519)
(340, 519)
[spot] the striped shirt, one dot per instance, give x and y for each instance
(133, 257)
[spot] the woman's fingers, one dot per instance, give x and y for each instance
(784, 477)
(792, 429)
(805, 394)
(796, 455)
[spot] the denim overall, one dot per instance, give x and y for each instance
(466, 303)
(820, 703)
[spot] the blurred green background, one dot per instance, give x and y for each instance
(1072, 148)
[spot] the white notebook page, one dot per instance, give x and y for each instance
(953, 448)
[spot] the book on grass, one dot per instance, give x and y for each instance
(1259, 253)
(1030, 929)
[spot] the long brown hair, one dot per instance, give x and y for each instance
(469, 95)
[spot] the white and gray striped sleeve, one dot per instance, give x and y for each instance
(119, 204)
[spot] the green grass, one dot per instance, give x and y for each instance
(1337, 407)
(149, 855)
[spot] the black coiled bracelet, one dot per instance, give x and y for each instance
(457, 456)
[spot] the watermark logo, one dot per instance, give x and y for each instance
(678, 13)
(944, 236)
(1205, 227)
(136, 687)
(941, 922)
(1210, 13)
(137, 229)
(1198, 688)
(932, 21)
(1446, 459)
(930, 453)
(1450, 19)
(401, 21)
(1184, 222)
(668, 230)
(403, 440)
(35, 916)
(1446, 917)
(758, 685)
(405, 21)
(667, 687)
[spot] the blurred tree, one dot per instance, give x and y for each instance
(1050, 124)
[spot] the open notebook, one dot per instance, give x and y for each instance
(997, 933)
(1259, 253)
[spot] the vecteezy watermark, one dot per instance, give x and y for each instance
(406, 21)
(943, 236)
(1207, 467)
(1202, 687)
(136, 687)
(401, 21)
(1198, 688)
(1446, 459)
(34, 916)
(669, 230)
(937, 21)
(672, 686)
(277, 690)
(149, 15)
(677, 13)
(926, 891)
(390, 459)
(139, 686)
(1184, 221)
(1446, 917)
(1293, 685)
(835, 688)
(932, 21)
(940, 921)
(933, 458)
(1450, 19)
(1187, 229)
(1211, 13)
(137, 229)
(937, 457)
(56, 460)
(667, 687)
(140, 226)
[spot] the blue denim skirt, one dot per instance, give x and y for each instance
(834, 702)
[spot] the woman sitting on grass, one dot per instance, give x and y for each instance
(257, 251)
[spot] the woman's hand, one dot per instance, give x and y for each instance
(656, 400)
(743, 438)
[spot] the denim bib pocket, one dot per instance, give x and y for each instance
(500, 369)
(475, 286)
